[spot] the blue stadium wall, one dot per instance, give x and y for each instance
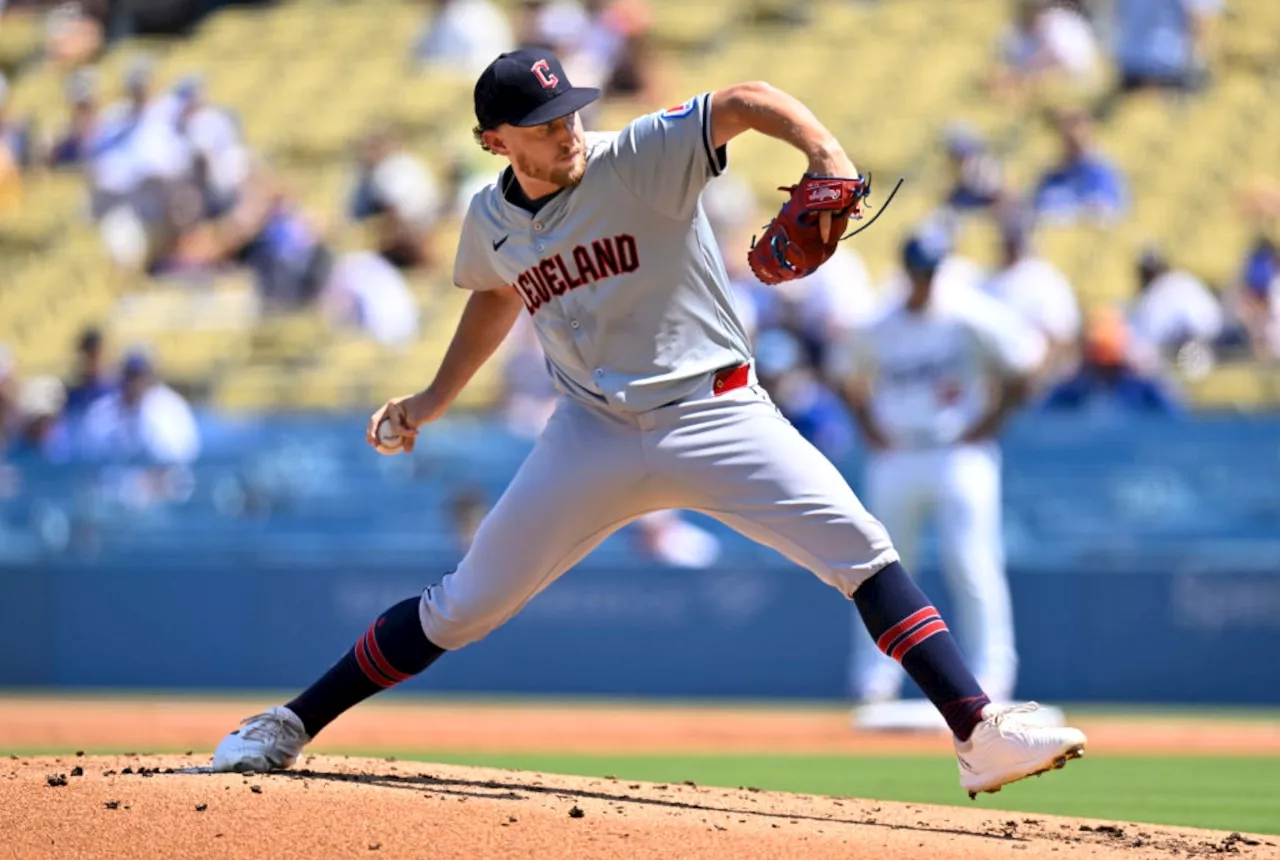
(1144, 563)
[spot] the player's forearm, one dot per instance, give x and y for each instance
(485, 323)
(871, 431)
(765, 109)
(860, 409)
(1012, 394)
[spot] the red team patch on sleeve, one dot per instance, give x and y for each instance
(677, 111)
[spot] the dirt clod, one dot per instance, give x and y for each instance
(77, 771)
(201, 807)
(576, 812)
(111, 804)
(56, 780)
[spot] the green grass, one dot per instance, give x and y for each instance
(1221, 793)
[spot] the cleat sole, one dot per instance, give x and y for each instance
(1058, 763)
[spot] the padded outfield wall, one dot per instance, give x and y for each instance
(1144, 562)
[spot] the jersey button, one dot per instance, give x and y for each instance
(540, 246)
(599, 372)
(537, 226)
(574, 324)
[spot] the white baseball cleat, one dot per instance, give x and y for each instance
(264, 742)
(1009, 745)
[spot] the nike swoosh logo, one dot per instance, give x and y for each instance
(498, 243)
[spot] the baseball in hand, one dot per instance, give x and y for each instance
(388, 439)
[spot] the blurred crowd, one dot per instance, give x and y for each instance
(176, 190)
(113, 412)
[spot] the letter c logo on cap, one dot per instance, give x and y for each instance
(542, 70)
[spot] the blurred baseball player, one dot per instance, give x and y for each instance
(601, 239)
(1037, 291)
(931, 380)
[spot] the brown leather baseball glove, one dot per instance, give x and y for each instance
(793, 245)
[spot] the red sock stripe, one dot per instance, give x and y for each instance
(366, 666)
(930, 629)
(893, 646)
(886, 638)
(384, 665)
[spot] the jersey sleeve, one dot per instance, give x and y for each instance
(666, 158)
(472, 265)
(1006, 342)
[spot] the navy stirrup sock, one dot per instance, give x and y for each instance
(392, 650)
(909, 629)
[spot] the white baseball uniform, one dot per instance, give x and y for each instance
(658, 408)
(1175, 306)
(1039, 292)
(930, 376)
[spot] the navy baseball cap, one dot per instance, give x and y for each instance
(136, 363)
(925, 250)
(527, 87)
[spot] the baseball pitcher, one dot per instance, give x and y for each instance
(601, 240)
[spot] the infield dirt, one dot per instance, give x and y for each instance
(148, 807)
(162, 806)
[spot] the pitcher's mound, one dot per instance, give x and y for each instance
(164, 807)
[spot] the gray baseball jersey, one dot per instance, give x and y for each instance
(629, 298)
(632, 312)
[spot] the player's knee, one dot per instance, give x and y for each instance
(451, 619)
(848, 579)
